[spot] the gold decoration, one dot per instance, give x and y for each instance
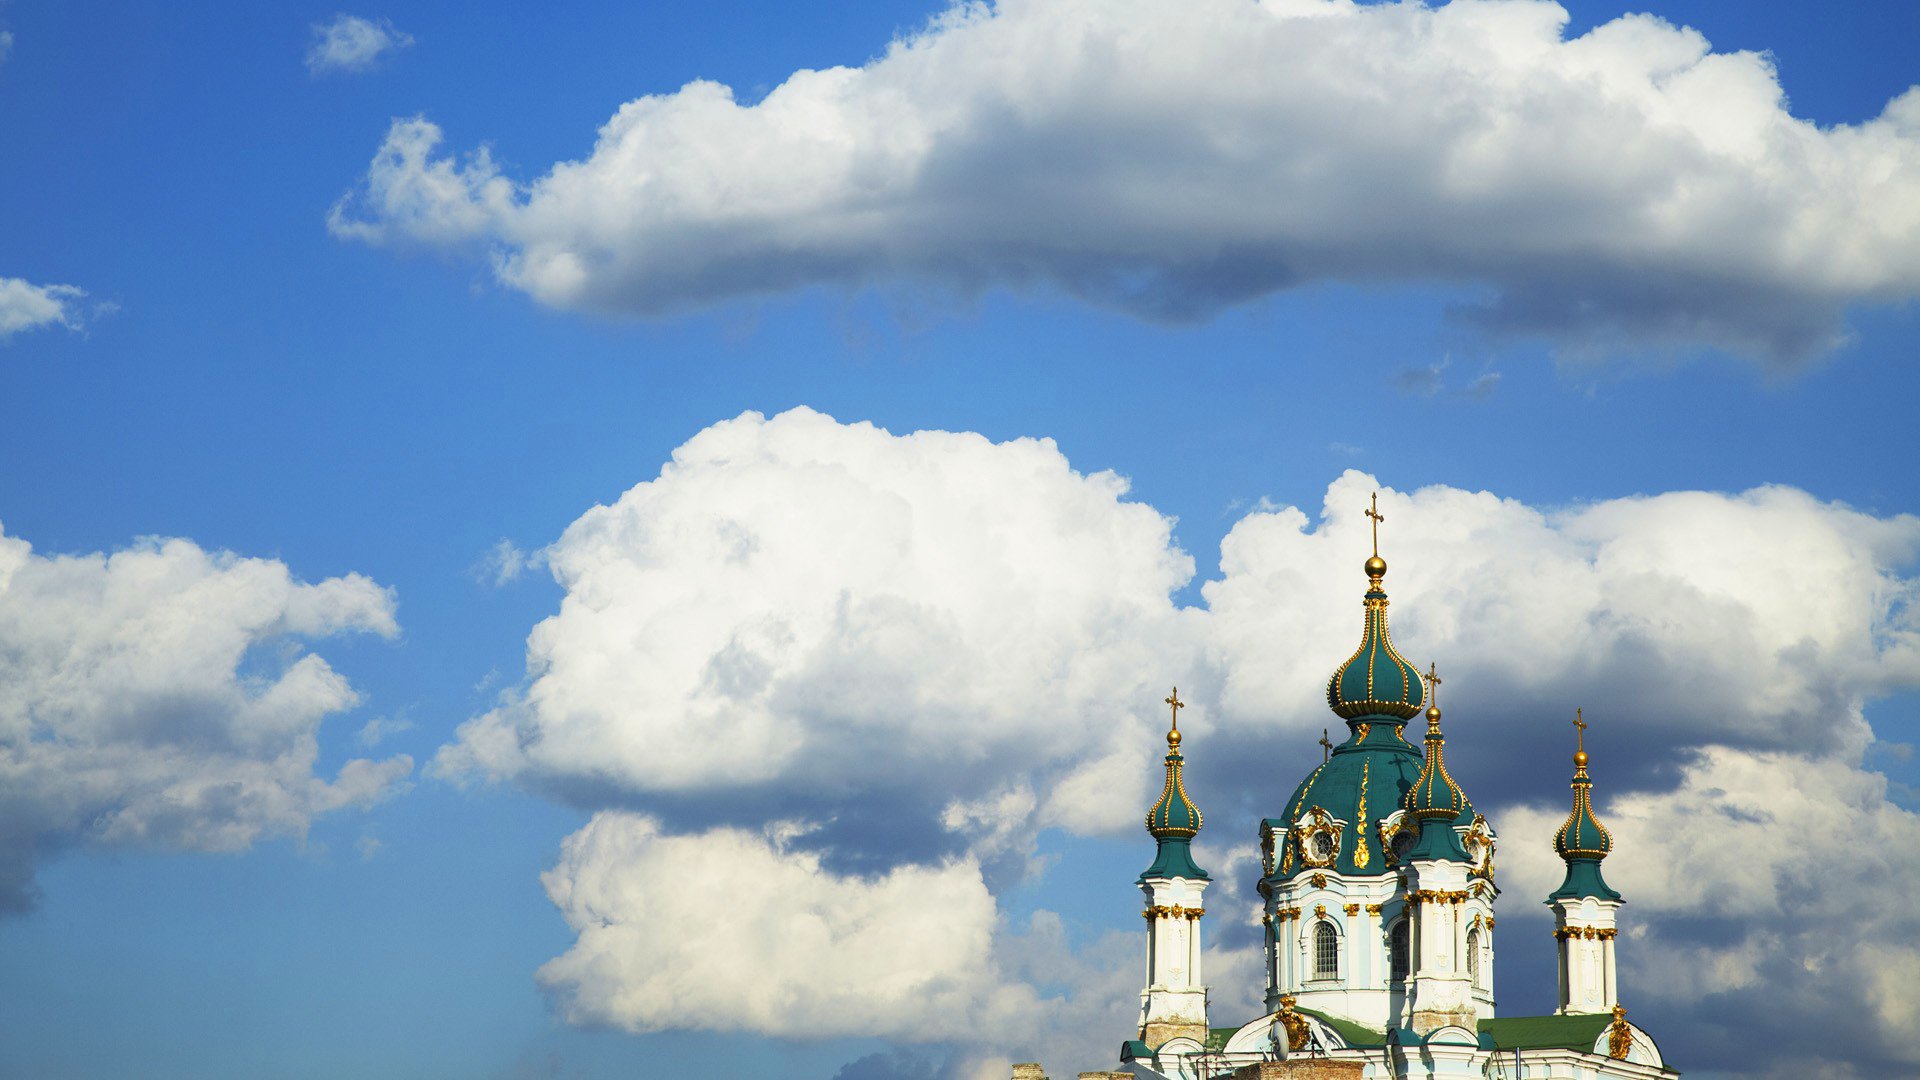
(1360, 856)
(1373, 909)
(1315, 824)
(1353, 909)
(1360, 732)
(1620, 1035)
(1319, 881)
(1326, 747)
(1294, 1023)
(1266, 851)
(1173, 734)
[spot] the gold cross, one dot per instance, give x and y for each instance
(1580, 726)
(1374, 513)
(1326, 746)
(1177, 704)
(1433, 683)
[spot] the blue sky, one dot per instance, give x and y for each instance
(393, 406)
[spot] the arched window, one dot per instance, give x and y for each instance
(1326, 952)
(1473, 956)
(1397, 950)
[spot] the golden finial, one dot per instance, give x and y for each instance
(1376, 566)
(1580, 733)
(1173, 735)
(1326, 747)
(1433, 681)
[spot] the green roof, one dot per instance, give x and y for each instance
(1174, 859)
(1365, 780)
(1578, 1031)
(1354, 1034)
(1583, 879)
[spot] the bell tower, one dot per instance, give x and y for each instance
(1174, 1002)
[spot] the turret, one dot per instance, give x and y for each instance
(1441, 994)
(1585, 907)
(1174, 1003)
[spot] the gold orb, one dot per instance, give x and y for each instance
(1580, 759)
(1173, 739)
(1376, 567)
(1433, 714)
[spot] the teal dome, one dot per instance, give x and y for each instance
(1364, 781)
(1376, 681)
(1436, 801)
(1174, 815)
(1434, 793)
(1174, 821)
(1581, 840)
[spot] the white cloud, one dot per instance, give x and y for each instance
(1174, 157)
(6, 45)
(26, 306)
(727, 930)
(934, 646)
(834, 612)
(156, 697)
(351, 43)
(504, 563)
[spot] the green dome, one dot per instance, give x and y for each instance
(1376, 680)
(1436, 801)
(1362, 783)
(1174, 821)
(1174, 815)
(1582, 841)
(1434, 793)
(1582, 836)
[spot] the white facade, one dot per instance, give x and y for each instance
(1174, 1001)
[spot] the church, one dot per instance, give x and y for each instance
(1378, 890)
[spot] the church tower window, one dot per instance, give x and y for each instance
(1397, 950)
(1473, 956)
(1326, 952)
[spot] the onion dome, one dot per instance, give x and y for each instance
(1436, 801)
(1376, 681)
(1582, 841)
(1174, 820)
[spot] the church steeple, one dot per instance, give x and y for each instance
(1173, 1004)
(1174, 820)
(1376, 683)
(1435, 800)
(1582, 841)
(1585, 908)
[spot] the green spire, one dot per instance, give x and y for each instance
(1582, 841)
(1435, 800)
(1376, 681)
(1174, 820)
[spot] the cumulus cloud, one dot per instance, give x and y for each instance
(26, 306)
(352, 43)
(814, 613)
(930, 646)
(157, 697)
(6, 45)
(1174, 157)
(727, 930)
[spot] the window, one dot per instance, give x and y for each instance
(1326, 952)
(1473, 956)
(1397, 950)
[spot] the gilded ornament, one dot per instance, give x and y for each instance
(1294, 1023)
(1620, 1035)
(1360, 856)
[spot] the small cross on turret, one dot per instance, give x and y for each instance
(1326, 746)
(1373, 512)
